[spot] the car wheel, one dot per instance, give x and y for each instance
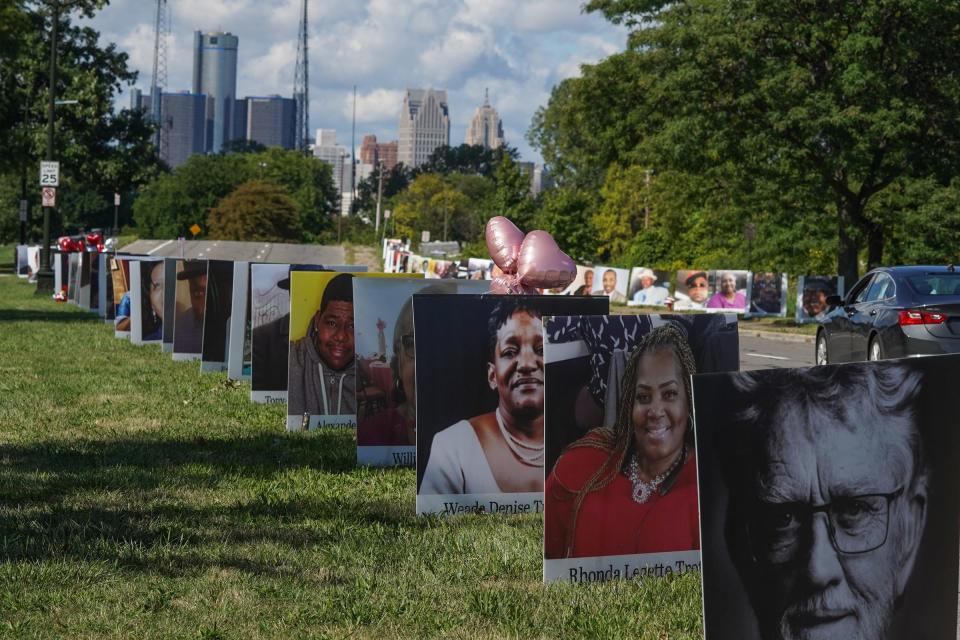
(875, 351)
(821, 355)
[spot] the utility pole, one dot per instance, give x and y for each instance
(45, 275)
(353, 148)
(376, 226)
(301, 83)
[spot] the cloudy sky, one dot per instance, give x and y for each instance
(519, 49)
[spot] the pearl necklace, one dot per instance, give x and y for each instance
(532, 456)
(643, 490)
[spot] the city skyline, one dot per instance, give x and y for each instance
(520, 51)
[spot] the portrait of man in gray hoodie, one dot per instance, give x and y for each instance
(322, 380)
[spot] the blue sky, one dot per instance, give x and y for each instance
(519, 49)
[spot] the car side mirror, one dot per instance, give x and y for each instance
(834, 301)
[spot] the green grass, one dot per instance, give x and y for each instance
(139, 498)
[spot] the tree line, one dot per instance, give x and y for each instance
(804, 136)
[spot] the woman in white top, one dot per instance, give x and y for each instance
(501, 451)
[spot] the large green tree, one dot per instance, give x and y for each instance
(256, 211)
(101, 151)
(840, 98)
(174, 202)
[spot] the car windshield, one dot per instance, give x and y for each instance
(936, 284)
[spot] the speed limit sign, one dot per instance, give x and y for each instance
(49, 173)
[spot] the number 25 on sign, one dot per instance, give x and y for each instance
(49, 174)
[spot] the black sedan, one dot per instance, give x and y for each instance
(893, 312)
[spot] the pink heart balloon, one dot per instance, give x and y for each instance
(511, 285)
(542, 264)
(503, 243)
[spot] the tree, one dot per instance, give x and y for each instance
(565, 213)
(432, 203)
(100, 151)
(256, 211)
(847, 97)
(308, 181)
(511, 197)
(174, 202)
(395, 180)
(466, 159)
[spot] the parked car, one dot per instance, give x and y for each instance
(893, 312)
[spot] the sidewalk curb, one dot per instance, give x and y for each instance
(779, 336)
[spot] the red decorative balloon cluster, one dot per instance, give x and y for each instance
(529, 262)
(71, 245)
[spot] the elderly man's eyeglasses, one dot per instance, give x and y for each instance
(698, 284)
(856, 524)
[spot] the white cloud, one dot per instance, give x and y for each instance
(517, 48)
(379, 105)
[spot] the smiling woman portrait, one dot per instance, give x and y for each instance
(501, 451)
(632, 488)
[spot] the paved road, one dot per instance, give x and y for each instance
(765, 353)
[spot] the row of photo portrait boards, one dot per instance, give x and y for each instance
(816, 502)
(752, 294)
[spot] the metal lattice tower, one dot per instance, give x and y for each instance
(161, 33)
(301, 85)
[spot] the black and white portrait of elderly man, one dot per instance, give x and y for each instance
(828, 494)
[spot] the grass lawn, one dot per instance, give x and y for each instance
(139, 498)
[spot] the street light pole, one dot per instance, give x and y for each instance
(45, 275)
(376, 227)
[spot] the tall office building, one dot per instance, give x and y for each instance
(215, 74)
(239, 128)
(183, 126)
(373, 153)
(338, 157)
(486, 128)
(271, 121)
(424, 125)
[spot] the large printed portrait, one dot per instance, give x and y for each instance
(812, 294)
(611, 282)
(239, 361)
(692, 290)
(94, 301)
(621, 490)
(829, 501)
(270, 328)
(582, 284)
(83, 280)
(169, 302)
(146, 301)
(480, 399)
(120, 276)
(105, 287)
(191, 299)
(73, 276)
(648, 288)
(730, 291)
(321, 376)
(270, 323)
(768, 294)
(386, 365)
(216, 323)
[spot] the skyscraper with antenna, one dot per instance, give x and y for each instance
(301, 84)
(161, 31)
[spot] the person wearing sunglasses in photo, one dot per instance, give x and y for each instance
(696, 294)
